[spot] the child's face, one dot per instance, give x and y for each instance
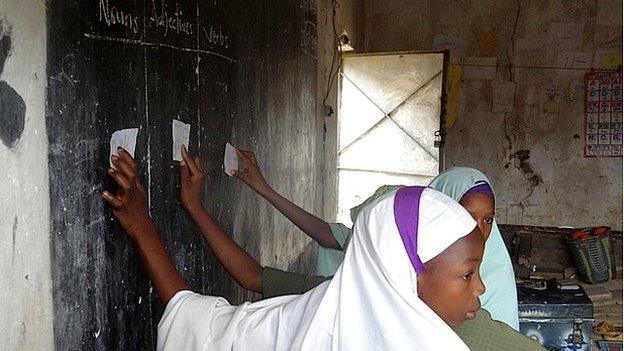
(481, 208)
(451, 284)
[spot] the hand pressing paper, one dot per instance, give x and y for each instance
(181, 133)
(230, 160)
(126, 138)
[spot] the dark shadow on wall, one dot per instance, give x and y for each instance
(12, 106)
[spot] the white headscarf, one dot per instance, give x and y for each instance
(370, 304)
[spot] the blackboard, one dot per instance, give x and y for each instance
(115, 64)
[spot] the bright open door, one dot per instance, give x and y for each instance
(389, 115)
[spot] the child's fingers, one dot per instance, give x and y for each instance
(243, 157)
(185, 173)
(240, 154)
(124, 167)
(185, 156)
(190, 161)
(246, 153)
(198, 162)
(112, 200)
(250, 156)
(140, 186)
(237, 174)
(193, 166)
(119, 179)
(185, 153)
(126, 157)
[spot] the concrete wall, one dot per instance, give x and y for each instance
(346, 16)
(25, 296)
(533, 153)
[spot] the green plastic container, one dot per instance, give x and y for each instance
(593, 256)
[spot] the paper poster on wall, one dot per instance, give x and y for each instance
(603, 114)
(607, 59)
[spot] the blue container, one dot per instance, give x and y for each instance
(559, 318)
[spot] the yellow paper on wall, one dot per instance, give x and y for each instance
(610, 61)
(453, 97)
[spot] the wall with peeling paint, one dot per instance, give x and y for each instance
(25, 293)
(532, 149)
(347, 16)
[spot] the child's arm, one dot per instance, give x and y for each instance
(130, 208)
(242, 267)
(315, 227)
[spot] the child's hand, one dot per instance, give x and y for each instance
(130, 204)
(191, 181)
(251, 173)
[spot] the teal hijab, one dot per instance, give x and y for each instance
(500, 298)
(327, 259)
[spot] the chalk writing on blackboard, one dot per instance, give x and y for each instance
(163, 19)
(163, 45)
(215, 36)
(308, 38)
(307, 28)
(111, 15)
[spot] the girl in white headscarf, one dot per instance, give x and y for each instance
(410, 272)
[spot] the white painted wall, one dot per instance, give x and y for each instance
(25, 282)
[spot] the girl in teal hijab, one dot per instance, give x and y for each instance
(500, 297)
(461, 184)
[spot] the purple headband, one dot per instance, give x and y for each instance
(481, 188)
(406, 209)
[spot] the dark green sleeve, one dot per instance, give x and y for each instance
(485, 334)
(276, 282)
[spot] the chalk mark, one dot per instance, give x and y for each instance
(308, 54)
(69, 77)
(95, 222)
(161, 45)
(14, 236)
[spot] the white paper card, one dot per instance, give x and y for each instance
(230, 159)
(126, 138)
(181, 133)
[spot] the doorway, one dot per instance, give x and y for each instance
(389, 116)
